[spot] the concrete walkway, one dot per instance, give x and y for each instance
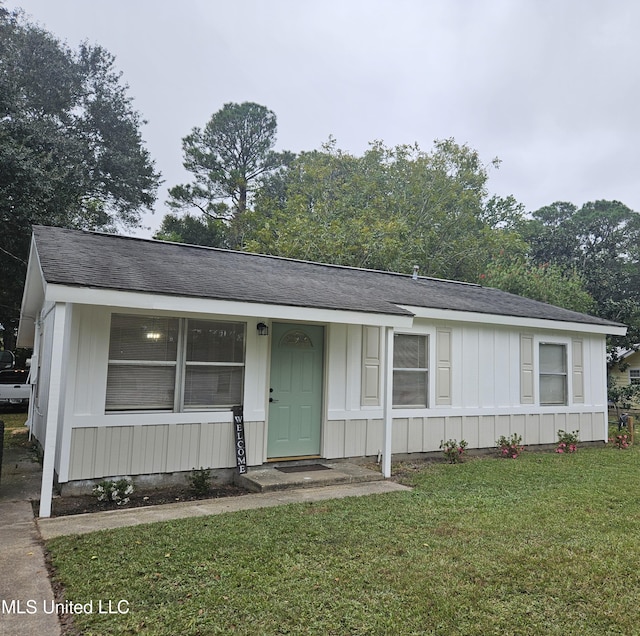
(25, 588)
(91, 522)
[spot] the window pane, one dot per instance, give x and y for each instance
(553, 389)
(552, 358)
(209, 341)
(140, 387)
(634, 376)
(213, 386)
(143, 338)
(410, 388)
(409, 352)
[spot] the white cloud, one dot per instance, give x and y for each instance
(549, 87)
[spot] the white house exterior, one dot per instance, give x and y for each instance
(141, 349)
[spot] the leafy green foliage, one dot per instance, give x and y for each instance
(453, 450)
(200, 481)
(228, 159)
(567, 442)
(390, 209)
(622, 395)
(546, 282)
(536, 546)
(195, 230)
(600, 242)
(71, 153)
(510, 447)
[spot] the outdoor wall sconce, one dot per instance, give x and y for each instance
(263, 330)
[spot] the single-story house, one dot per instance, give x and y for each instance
(142, 349)
(628, 372)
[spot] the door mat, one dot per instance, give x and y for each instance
(302, 469)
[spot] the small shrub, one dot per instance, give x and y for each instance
(453, 451)
(510, 447)
(200, 481)
(620, 441)
(567, 442)
(114, 491)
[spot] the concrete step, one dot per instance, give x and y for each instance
(305, 475)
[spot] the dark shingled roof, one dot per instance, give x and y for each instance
(107, 261)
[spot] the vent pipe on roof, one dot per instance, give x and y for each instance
(415, 272)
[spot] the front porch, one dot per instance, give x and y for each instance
(305, 474)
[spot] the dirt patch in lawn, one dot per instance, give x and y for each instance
(61, 506)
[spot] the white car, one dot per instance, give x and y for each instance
(14, 390)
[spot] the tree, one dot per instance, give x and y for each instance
(600, 242)
(621, 396)
(228, 159)
(390, 209)
(71, 153)
(547, 283)
(195, 230)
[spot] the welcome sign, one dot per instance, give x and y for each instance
(238, 430)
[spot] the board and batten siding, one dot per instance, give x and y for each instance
(483, 385)
(166, 448)
(476, 377)
(362, 438)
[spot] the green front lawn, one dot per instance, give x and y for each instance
(15, 432)
(544, 544)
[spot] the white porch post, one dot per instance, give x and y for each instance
(56, 388)
(388, 402)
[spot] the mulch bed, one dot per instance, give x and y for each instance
(88, 503)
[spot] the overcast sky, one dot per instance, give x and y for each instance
(550, 87)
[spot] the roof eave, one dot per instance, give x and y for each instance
(185, 304)
(452, 315)
(32, 298)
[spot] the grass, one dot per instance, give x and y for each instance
(545, 544)
(15, 432)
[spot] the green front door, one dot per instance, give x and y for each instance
(295, 396)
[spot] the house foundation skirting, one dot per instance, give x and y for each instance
(150, 482)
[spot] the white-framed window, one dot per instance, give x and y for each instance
(634, 376)
(553, 373)
(166, 363)
(410, 370)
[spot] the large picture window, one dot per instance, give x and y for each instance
(163, 363)
(553, 374)
(410, 371)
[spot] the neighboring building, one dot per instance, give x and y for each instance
(142, 348)
(630, 373)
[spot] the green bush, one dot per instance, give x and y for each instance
(200, 481)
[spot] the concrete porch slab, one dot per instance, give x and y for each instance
(268, 478)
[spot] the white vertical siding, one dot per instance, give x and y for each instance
(338, 368)
(471, 366)
(481, 386)
(110, 451)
